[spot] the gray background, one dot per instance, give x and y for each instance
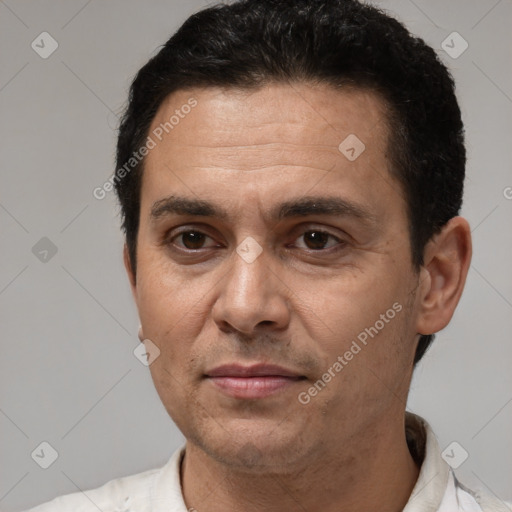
(68, 324)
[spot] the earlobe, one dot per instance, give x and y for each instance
(447, 257)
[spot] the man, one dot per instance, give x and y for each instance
(290, 174)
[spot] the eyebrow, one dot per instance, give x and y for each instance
(298, 207)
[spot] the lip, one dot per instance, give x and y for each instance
(255, 381)
(255, 370)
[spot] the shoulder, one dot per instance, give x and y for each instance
(437, 487)
(117, 495)
(479, 500)
(133, 492)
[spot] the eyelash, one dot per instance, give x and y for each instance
(168, 241)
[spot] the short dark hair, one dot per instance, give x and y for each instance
(248, 44)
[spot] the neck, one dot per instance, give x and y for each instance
(374, 471)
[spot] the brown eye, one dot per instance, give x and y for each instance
(317, 240)
(191, 240)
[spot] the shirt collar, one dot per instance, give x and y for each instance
(433, 479)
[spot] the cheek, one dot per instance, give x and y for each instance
(365, 323)
(176, 394)
(343, 307)
(165, 297)
(169, 310)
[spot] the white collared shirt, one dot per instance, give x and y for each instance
(159, 490)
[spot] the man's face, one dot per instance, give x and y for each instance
(326, 284)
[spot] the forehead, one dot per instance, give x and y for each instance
(248, 117)
(278, 138)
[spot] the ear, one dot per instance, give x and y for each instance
(129, 271)
(446, 263)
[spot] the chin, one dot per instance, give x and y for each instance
(254, 449)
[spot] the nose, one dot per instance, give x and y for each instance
(252, 297)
